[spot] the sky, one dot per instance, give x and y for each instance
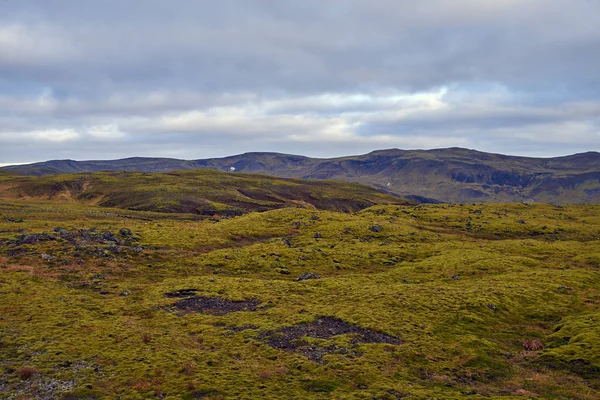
(88, 79)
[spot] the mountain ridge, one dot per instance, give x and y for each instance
(449, 175)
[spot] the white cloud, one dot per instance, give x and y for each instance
(105, 132)
(53, 135)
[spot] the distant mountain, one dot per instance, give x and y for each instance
(448, 175)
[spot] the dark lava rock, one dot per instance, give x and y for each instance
(492, 307)
(289, 338)
(32, 239)
(125, 232)
(455, 277)
(287, 242)
(308, 275)
(214, 305)
(8, 219)
(376, 228)
(109, 236)
(317, 235)
(61, 231)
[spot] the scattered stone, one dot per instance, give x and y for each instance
(46, 257)
(84, 242)
(492, 307)
(455, 277)
(376, 228)
(62, 232)
(317, 235)
(315, 218)
(104, 292)
(109, 236)
(565, 289)
(308, 275)
(214, 305)
(33, 239)
(520, 221)
(125, 232)
(287, 242)
(8, 219)
(124, 293)
(283, 271)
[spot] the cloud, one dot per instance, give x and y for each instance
(199, 79)
(24, 45)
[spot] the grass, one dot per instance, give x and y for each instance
(462, 287)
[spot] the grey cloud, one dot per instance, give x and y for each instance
(207, 78)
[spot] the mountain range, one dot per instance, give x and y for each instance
(453, 175)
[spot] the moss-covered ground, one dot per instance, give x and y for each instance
(88, 311)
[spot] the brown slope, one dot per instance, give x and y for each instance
(204, 191)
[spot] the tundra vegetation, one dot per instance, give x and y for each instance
(381, 300)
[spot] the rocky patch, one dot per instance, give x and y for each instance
(294, 338)
(213, 305)
(308, 275)
(90, 242)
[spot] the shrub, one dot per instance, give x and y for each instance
(26, 372)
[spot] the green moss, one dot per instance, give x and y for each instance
(462, 303)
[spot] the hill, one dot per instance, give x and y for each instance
(205, 192)
(449, 175)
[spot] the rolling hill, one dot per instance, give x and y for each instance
(204, 192)
(443, 175)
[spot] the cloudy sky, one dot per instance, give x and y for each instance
(88, 79)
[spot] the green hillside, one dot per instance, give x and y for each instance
(204, 192)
